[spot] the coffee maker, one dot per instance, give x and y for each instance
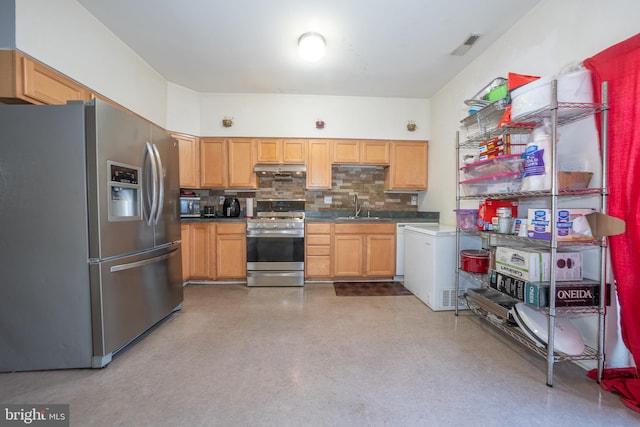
(231, 207)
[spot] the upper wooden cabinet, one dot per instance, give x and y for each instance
(242, 159)
(213, 163)
(374, 152)
(227, 163)
(407, 166)
(189, 152)
(24, 80)
(355, 152)
(319, 164)
(346, 152)
(281, 151)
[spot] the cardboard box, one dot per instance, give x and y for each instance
(487, 211)
(567, 229)
(584, 293)
(534, 265)
(539, 224)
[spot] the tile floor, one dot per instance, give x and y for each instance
(238, 356)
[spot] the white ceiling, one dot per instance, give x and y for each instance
(384, 48)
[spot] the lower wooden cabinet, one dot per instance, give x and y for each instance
(199, 253)
(185, 233)
(214, 251)
(231, 251)
(317, 251)
(364, 250)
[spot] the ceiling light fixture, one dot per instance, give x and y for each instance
(311, 46)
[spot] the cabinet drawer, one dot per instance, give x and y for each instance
(318, 239)
(321, 228)
(235, 228)
(386, 228)
(318, 250)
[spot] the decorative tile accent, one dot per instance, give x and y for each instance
(367, 182)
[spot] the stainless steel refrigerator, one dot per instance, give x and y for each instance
(89, 233)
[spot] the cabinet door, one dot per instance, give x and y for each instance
(346, 152)
(213, 163)
(269, 150)
(189, 153)
(374, 152)
(231, 251)
(381, 256)
(44, 85)
(199, 252)
(185, 233)
(347, 255)
(407, 166)
(242, 159)
(293, 150)
(318, 165)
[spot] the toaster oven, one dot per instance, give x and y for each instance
(189, 207)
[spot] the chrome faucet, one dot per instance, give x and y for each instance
(357, 208)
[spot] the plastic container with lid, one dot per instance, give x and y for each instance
(467, 219)
(498, 183)
(496, 165)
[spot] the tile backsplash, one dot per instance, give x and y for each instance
(367, 182)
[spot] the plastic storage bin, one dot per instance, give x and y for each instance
(467, 219)
(572, 87)
(498, 183)
(496, 165)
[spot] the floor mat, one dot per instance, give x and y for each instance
(370, 289)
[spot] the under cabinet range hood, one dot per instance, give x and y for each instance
(281, 170)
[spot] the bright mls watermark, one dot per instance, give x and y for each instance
(34, 415)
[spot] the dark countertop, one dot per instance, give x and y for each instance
(379, 216)
(214, 219)
(341, 216)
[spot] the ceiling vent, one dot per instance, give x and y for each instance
(466, 45)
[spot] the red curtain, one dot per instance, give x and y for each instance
(620, 66)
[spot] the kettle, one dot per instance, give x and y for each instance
(231, 207)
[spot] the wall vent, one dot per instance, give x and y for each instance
(466, 45)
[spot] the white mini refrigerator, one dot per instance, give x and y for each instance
(430, 264)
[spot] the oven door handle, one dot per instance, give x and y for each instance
(283, 234)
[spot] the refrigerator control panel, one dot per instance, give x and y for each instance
(120, 173)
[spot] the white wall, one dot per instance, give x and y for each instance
(295, 116)
(65, 36)
(553, 34)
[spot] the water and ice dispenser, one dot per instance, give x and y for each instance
(124, 192)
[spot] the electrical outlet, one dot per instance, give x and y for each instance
(328, 200)
(414, 200)
(221, 199)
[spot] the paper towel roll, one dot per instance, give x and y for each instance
(249, 207)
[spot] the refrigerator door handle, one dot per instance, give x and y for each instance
(160, 185)
(137, 264)
(153, 194)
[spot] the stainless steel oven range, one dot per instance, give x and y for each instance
(275, 244)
